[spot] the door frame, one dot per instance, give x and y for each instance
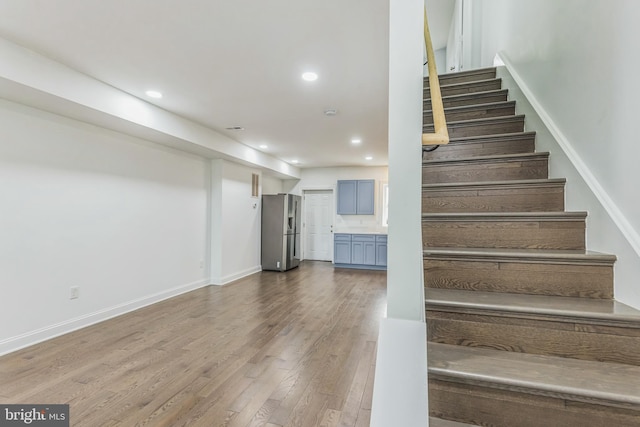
(304, 213)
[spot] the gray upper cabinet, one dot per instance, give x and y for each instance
(347, 195)
(365, 197)
(356, 197)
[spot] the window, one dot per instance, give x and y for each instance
(385, 204)
(255, 184)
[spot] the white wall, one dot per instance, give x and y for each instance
(83, 206)
(271, 185)
(235, 241)
(326, 178)
(441, 60)
(454, 44)
(578, 60)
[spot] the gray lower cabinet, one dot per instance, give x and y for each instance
(381, 250)
(360, 251)
(342, 248)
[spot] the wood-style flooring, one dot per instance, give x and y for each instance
(273, 349)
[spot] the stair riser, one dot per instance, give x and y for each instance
(475, 113)
(542, 335)
(481, 86)
(516, 169)
(489, 127)
(488, 148)
(536, 278)
(536, 199)
(456, 78)
(532, 234)
(488, 406)
(472, 99)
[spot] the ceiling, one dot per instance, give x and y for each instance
(237, 63)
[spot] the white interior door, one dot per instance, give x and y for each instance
(318, 225)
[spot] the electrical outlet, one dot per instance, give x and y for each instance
(74, 292)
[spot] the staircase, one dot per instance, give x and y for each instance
(522, 326)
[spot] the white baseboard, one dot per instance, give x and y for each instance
(220, 281)
(33, 337)
(612, 209)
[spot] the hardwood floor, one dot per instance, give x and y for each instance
(274, 349)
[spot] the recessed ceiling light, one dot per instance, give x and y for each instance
(356, 140)
(264, 146)
(235, 128)
(154, 94)
(294, 161)
(369, 158)
(330, 112)
(309, 76)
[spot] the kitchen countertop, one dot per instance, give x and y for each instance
(358, 232)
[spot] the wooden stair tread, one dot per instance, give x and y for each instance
(487, 159)
(493, 184)
(483, 145)
(472, 122)
(480, 94)
(609, 311)
(439, 422)
(485, 138)
(469, 83)
(465, 73)
(508, 216)
(475, 107)
(587, 381)
(548, 255)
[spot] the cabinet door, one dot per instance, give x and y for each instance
(357, 253)
(369, 250)
(381, 253)
(342, 249)
(365, 197)
(347, 195)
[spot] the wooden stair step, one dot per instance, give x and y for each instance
(489, 387)
(439, 422)
(509, 143)
(486, 97)
(569, 273)
(578, 328)
(465, 76)
(534, 195)
(486, 168)
(511, 230)
(477, 111)
(484, 126)
(466, 87)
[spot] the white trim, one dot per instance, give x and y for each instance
(400, 393)
(623, 224)
(33, 337)
(220, 281)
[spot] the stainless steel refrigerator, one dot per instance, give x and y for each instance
(281, 231)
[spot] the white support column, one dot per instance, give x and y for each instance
(405, 293)
(400, 394)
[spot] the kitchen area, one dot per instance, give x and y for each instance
(366, 249)
(343, 216)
